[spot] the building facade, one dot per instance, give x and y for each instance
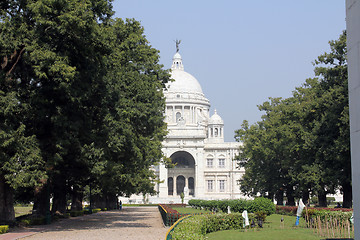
(204, 166)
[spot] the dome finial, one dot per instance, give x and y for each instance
(177, 42)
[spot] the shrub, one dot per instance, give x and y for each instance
(33, 221)
(38, 221)
(196, 227)
(286, 210)
(4, 228)
(260, 215)
(239, 205)
(77, 213)
(262, 204)
(96, 210)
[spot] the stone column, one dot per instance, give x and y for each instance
(163, 176)
(175, 190)
(353, 47)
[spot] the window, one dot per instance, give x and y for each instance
(221, 163)
(210, 185)
(178, 116)
(209, 162)
(222, 185)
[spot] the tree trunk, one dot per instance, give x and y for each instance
(290, 196)
(77, 198)
(322, 199)
(111, 201)
(99, 201)
(59, 200)
(347, 195)
(42, 201)
(305, 196)
(279, 197)
(7, 213)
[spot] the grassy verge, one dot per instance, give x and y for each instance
(20, 211)
(272, 230)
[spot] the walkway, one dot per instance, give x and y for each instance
(129, 223)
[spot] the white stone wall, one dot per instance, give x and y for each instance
(353, 46)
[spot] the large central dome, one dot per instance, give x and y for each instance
(184, 82)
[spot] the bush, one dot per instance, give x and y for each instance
(96, 210)
(262, 204)
(76, 213)
(33, 221)
(4, 228)
(260, 216)
(196, 227)
(286, 210)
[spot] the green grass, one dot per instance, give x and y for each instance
(271, 230)
(19, 211)
(184, 210)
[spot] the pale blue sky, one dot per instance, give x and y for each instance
(241, 52)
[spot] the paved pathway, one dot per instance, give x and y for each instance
(129, 223)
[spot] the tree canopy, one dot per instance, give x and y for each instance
(301, 145)
(81, 102)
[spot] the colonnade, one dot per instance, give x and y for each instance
(181, 182)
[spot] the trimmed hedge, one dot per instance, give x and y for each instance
(237, 205)
(4, 229)
(196, 227)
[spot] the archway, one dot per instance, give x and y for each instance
(180, 184)
(191, 186)
(182, 174)
(170, 186)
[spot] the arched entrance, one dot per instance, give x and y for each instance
(180, 184)
(182, 174)
(170, 186)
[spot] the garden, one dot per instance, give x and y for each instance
(225, 219)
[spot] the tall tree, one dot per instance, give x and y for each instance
(303, 139)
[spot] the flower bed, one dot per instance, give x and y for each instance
(291, 210)
(169, 215)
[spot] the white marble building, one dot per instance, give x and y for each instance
(195, 143)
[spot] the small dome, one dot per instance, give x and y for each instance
(216, 119)
(184, 82)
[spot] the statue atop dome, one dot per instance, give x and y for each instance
(177, 42)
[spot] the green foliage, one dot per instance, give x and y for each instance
(301, 145)
(196, 227)
(82, 102)
(326, 215)
(96, 210)
(182, 197)
(4, 229)
(30, 221)
(262, 205)
(236, 205)
(76, 213)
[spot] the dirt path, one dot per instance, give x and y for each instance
(129, 223)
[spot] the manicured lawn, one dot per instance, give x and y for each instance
(19, 211)
(188, 210)
(271, 230)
